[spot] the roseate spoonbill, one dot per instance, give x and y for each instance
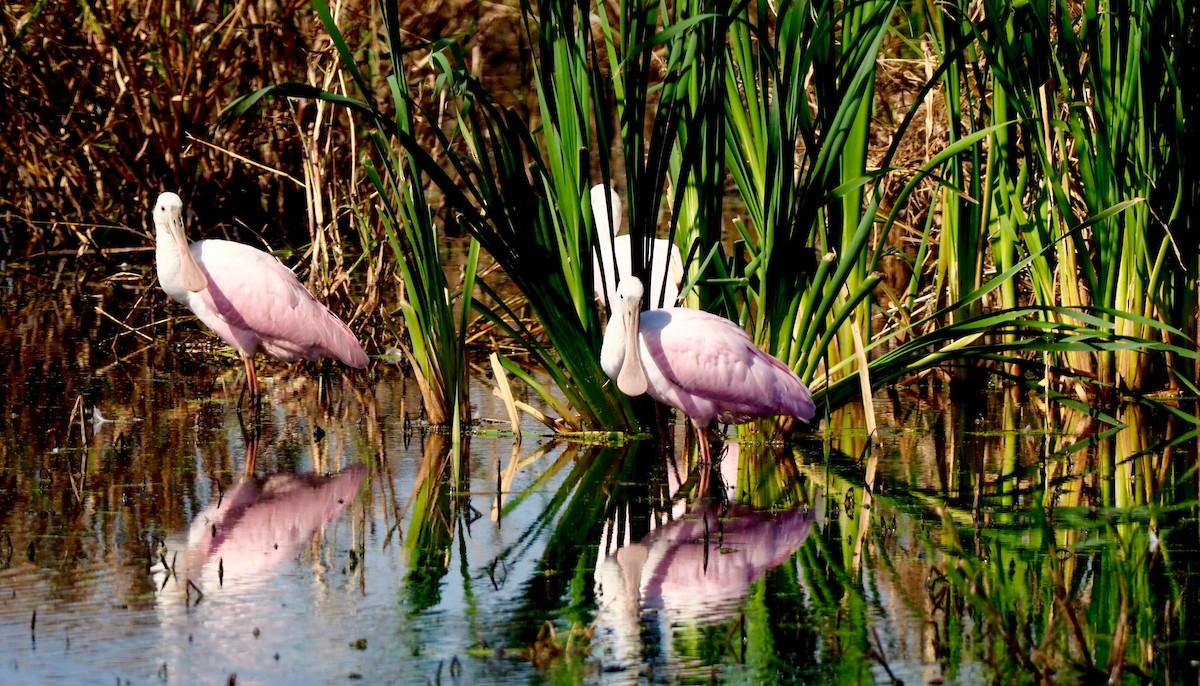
(666, 261)
(701, 364)
(247, 297)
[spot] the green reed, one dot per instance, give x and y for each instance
(786, 101)
(778, 119)
(1057, 140)
(1091, 108)
(435, 316)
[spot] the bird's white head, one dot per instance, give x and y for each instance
(168, 224)
(168, 205)
(630, 290)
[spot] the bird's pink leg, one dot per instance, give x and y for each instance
(251, 377)
(705, 462)
(702, 439)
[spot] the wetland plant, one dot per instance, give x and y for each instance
(876, 191)
(785, 101)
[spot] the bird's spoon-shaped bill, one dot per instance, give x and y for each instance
(189, 272)
(632, 379)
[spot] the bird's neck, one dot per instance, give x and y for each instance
(166, 260)
(612, 351)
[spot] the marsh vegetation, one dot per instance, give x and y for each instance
(905, 202)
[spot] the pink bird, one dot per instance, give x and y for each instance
(701, 364)
(246, 297)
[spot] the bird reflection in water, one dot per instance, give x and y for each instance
(255, 526)
(696, 569)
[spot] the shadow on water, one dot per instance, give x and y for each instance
(156, 539)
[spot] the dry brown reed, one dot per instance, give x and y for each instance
(109, 99)
(113, 102)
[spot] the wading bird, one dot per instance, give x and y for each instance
(666, 261)
(247, 297)
(702, 365)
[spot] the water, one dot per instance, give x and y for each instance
(1002, 541)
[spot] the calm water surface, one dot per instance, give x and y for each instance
(152, 532)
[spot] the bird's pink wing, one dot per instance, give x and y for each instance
(252, 290)
(710, 358)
